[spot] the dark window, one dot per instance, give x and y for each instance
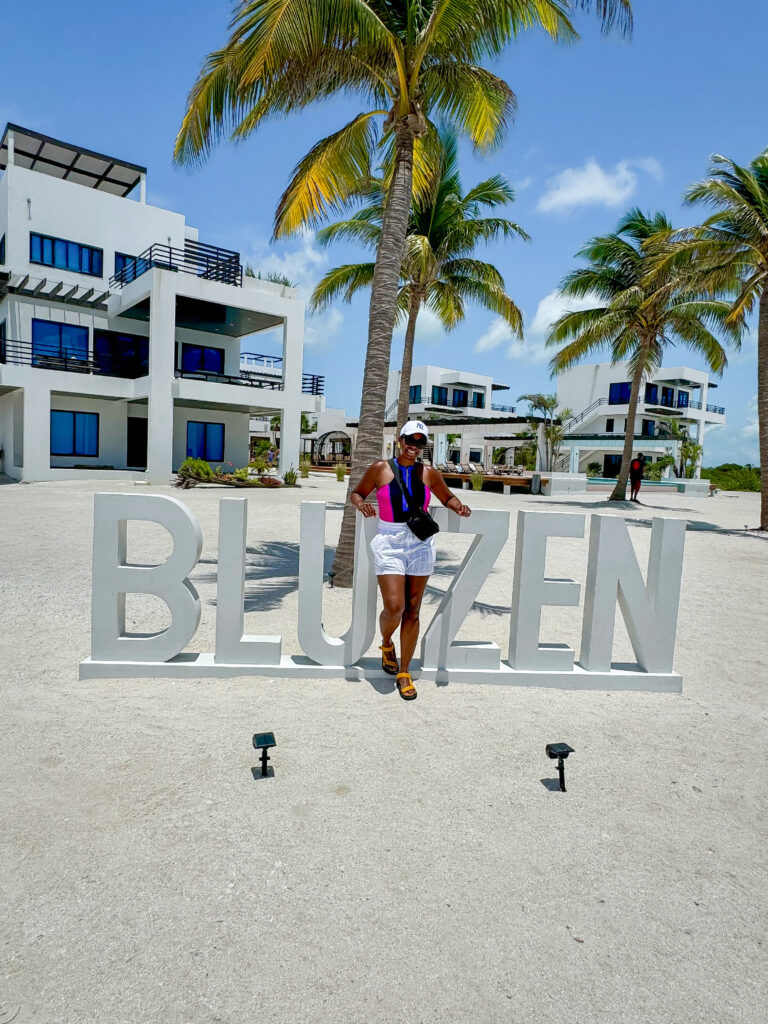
(647, 428)
(609, 426)
(205, 441)
(460, 398)
(74, 433)
(201, 359)
(618, 394)
(2, 249)
(55, 341)
(64, 255)
(611, 466)
(478, 400)
(475, 455)
(121, 260)
(682, 399)
(414, 394)
(668, 397)
(439, 396)
(120, 355)
(652, 394)
(2, 341)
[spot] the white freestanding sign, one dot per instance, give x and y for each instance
(649, 608)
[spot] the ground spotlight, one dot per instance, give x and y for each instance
(559, 751)
(264, 741)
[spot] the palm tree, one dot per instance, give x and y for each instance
(553, 430)
(729, 251)
(408, 61)
(640, 310)
(439, 271)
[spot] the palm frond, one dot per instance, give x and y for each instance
(327, 175)
(341, 282)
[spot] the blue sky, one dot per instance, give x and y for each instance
(603, 125)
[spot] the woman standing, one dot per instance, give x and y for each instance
(403, 561)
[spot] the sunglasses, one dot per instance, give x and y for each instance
(417, 440)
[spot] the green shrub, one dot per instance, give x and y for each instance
(477, 481)
(241, 474)
(195, 469)
(594, 469)
(259, 464)
(732, 477)
(341, 471)
(304, 470)
(290, 477)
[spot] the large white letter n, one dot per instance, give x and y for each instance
(113, 578)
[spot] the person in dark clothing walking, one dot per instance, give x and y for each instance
(636, 470)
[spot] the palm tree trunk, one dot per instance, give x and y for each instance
(619, 492)
(381, 320)
(403, 401)
(762, 404)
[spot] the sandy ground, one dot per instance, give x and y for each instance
(407, 862)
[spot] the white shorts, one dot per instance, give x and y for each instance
(399, 552)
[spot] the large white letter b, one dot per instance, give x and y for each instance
(113, 578)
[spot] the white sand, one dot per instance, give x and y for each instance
(405, 863)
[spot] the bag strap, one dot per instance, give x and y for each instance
(394, 465)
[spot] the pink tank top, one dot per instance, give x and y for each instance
(393, 506)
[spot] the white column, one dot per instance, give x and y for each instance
(9, 141)
(293, 355)
(162, 328)
(36, 419)
(574, 463)
(143, 189)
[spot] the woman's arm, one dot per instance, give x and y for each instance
(364, 488)
(442, 493)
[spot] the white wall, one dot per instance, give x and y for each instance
(236, 434)
(11, 432)
(113, 431)
(79, 214)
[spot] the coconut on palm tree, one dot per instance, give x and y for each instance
(729, 251)
(439, 271)
(640, 309)
(408, 62)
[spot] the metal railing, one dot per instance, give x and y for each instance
(23, 353)
(502, 408)
(590, 408)
(311, 383)
(716, 408)
(208, 262)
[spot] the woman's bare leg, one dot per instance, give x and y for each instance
(409, 630)
(393, 594)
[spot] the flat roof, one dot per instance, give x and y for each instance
(69, 163)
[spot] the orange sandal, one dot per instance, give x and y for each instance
(407, 690)
(389, 664)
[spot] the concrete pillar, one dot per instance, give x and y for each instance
(574, 463)
(10, 143)
(162, 329)
(143, 189)
(36, 419)
(293, 356)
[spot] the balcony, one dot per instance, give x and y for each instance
(21, 353)
(719, 409)
(311, 383)
(503, 408)
(208, 262)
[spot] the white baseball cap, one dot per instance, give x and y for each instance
(414, 427)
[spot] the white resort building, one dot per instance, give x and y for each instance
(598, 395)
(121, 332)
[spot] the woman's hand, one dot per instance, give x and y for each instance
(367, 509)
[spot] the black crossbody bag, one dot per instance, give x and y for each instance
(420, 523)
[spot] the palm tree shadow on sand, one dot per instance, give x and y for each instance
(272, 573)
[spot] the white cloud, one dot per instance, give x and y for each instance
(750, 428)
(429, 330)
(591, 185)
(532, 349)
(303, 266)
